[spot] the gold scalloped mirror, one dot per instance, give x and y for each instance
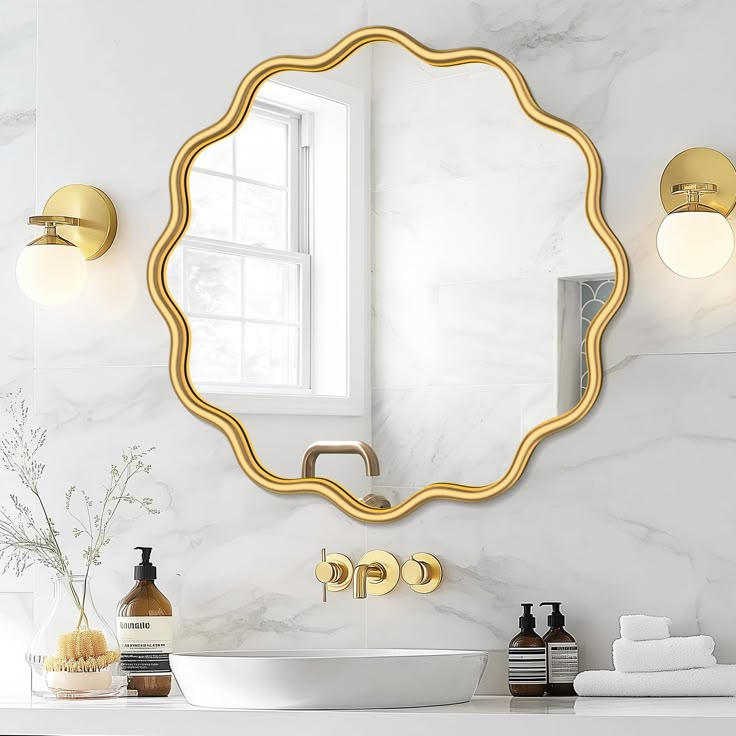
(386, 274)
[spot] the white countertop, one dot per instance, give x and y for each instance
(500, 716)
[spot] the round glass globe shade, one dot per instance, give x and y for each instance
(51, 274)
(695, 244)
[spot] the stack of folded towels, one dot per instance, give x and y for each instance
(648, 662)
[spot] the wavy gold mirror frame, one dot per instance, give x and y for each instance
(179, 328)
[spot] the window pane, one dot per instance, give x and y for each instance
(216, 350)
(217, 157)
(261, 146)
(175, 276)
(271, 290)
(213, 283)
(271, 354)
(261, 216)
(212, 206)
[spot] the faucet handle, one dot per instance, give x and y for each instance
(422, 573)
(334, 571)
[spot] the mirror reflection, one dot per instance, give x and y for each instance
(389, 274)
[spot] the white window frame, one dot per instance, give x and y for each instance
(306, 400)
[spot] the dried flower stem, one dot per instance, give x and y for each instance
(23, 542)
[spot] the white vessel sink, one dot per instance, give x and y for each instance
(328, 679)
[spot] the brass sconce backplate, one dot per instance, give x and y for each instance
(98, 221)
(699, 165)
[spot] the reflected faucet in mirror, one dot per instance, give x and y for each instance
(340, 447)
(346, 447)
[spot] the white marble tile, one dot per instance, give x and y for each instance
(443, 232)
(497, 332)
(17, 186)
(404, 344)
(416, 433)
(16, 631)
(537, 404)
(453, 126)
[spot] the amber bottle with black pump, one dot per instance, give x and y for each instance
(527, 658)
(562, 654)
(145, 632)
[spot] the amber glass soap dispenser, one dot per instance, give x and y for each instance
(562, 654)
(145, 632)
(527, 658)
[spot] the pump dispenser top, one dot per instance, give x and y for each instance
(556, 618)
(144, 570)
(527, 620)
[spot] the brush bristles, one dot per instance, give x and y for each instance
(83, 664)
(81, 651)
(81, 644)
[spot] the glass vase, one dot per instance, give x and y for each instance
(75, 654)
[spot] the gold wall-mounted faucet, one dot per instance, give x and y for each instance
(377, 573)
(342, 447)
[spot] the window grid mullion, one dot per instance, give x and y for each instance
(242, 315)
(254, 251)
(247, 320)
(185, 281)
(243, 179)
(234, 184)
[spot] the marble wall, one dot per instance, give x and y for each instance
(629, 511)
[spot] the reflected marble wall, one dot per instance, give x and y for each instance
(629, 511)
(478, 217)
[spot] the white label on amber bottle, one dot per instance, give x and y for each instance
(145, 644)
(562, 661)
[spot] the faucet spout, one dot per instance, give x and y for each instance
(363, 573)
(346, 447)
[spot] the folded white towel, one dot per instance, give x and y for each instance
(675, 653)
(719, 680)
(639, 627)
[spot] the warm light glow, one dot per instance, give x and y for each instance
(51, 274)
(695, 244)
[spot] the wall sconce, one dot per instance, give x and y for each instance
(695, 240)
(81, 224)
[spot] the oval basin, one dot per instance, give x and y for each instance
(328, 679)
